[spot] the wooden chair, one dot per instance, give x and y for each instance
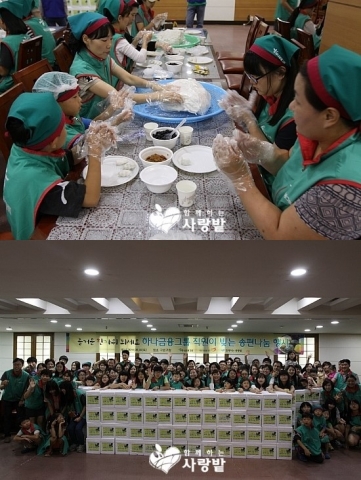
(30, 74)
(236, 65)
(63, 57)
(6, 100)
(302, 54)
(29, 52)
(307, 40)
(284, 28)
(226, 55)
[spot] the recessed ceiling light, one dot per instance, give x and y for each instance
(91, 271)
(319, 326)
(79, 329)
(53, 321)
(298, 272)
(8, 328)
(234, 326)
(239, 321)
(230, 329)
(153, 329)
(335, 322)
(67, 325)
(307, 330)
(149, 325)
(144, 321)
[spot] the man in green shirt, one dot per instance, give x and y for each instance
(14, 382)
(157, 381)
(308, 441)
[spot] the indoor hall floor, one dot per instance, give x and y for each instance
(343, 464)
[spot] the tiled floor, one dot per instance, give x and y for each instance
(344, 464)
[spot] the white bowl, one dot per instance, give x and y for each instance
(164, 143)
(174, 66)
(146, 152)
(174, 58)
(158, 178)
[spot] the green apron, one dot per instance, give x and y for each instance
(84, 65)
(300, 22)
(342, 163)
(28, 177)
(13, 44)
(39, 27)
(74, 129)
(310, 439)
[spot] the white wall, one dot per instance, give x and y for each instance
(6, 352)
(335, 347)
(217, 12)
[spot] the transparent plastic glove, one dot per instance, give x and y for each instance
(119, 98)
(140, 35)
(159, 19)
(99, 138)
(164, 46)
(147, 36)
(253, 149)
(238, 108)
(170, 96)
(154, 86)
(126, 115)
(231, 162)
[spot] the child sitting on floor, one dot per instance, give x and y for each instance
(308, 442)
(30, 435)
(57, 442)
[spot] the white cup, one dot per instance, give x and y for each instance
(185, 135)
(202, 40)
(148, 127)
(186, 190)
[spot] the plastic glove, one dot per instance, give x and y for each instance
(164, 46)
(231, 162)
(126, 115)
(99, 138)
(238, 108)
(156, 87)
(253, 149)
(117, 99)
(159, 19)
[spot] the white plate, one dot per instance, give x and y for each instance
(194, 32)
(198, 50)
(150, 63)
(110, 171)
(200, 60)
(200, 156)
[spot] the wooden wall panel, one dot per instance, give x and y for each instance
(175, 12)
(342, 25)
(264, 8)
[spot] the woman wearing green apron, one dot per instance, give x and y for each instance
(301, 18)
(146, 18)
(121, 14)
(317, 193)
(16, 32)
(96, 71)
(271, 66)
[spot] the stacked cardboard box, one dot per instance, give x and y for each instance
(199, 423)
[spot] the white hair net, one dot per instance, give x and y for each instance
(55, 83)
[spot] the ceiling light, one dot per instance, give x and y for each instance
(91, 271)
(230, 329)
(149, 325)
(67, 325)
(144, 321)
(8, 328)
(234, 326)
(319, 326)
(335, 322)
(239, 321)
(53, 321)
(298, 272)
(79, 329)
(307, 330)
(153, 329)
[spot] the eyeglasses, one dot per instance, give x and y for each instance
(255, 79)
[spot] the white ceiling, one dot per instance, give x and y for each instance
(206, 284)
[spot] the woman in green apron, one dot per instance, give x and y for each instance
(271, 66)
(301, 18)
(317, 193)
(96, 71)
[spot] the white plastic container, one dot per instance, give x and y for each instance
(93, 430)
(238, 451)
(108, 431)
(269, 452)
(194, 433)
(121, 447)
(195, 417)
(93, 446)
(180, 417)
(224, 434)
(136, 401)
(180, 434)
(209, 418)
(93, 414)
(254, 435)
(239, 401)
(108, 415)
(239, 418)
(107, 446)
(284, 418)
(253, 450)
(136, 416)
(92, 399)
(284, 452)
(165, 417)
(224, 418)
(239, 434)
(224, 401)
(209, 434)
